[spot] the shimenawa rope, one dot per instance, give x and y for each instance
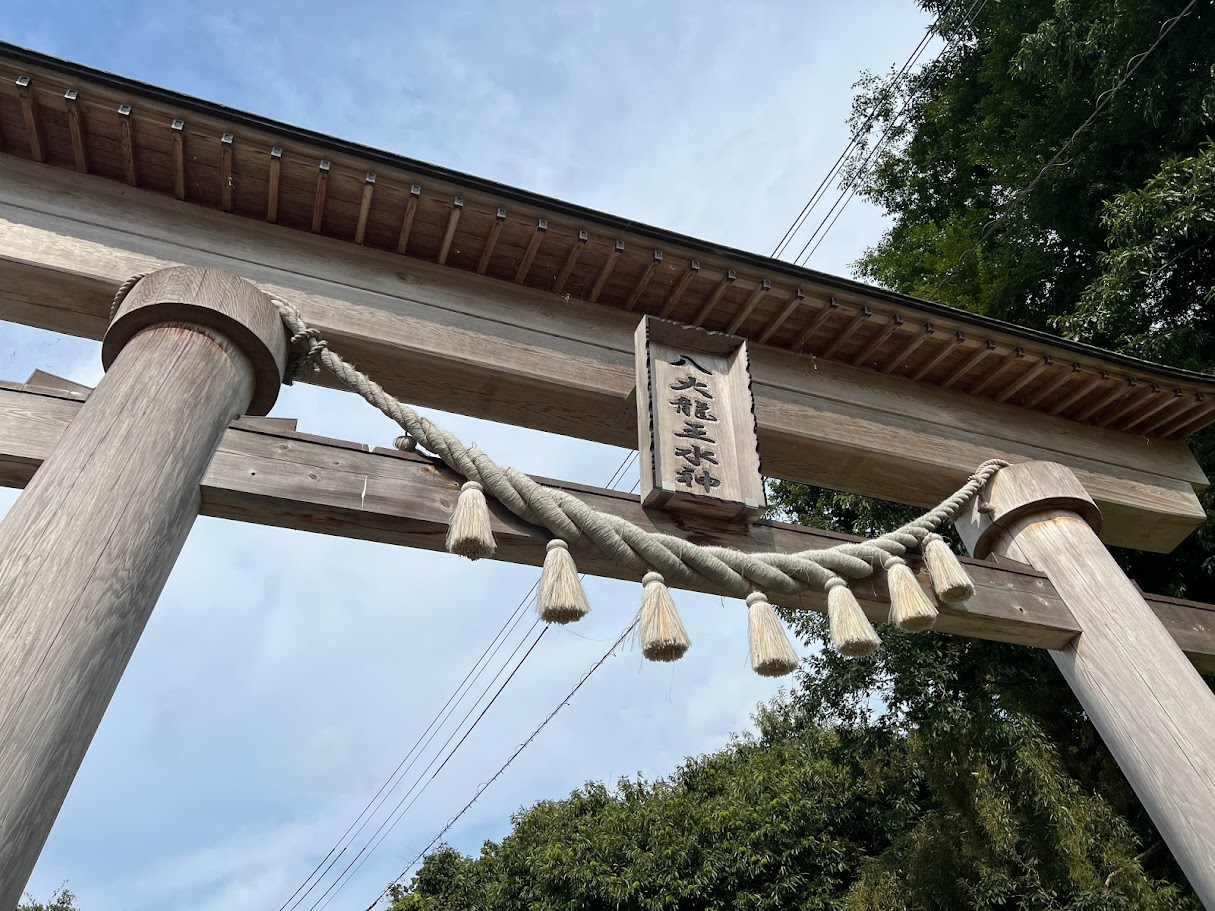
(657, 556)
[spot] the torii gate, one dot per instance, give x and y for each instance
(526, 307)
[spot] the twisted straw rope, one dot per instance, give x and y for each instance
(728, 571)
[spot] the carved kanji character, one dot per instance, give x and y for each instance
(694, 430)
(707, 481)
(683, 405)
(691, 383)
(695, 455)
(685, 360)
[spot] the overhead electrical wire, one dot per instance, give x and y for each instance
(510, 759)
(821, 189)
(848, 191)
(344, 843)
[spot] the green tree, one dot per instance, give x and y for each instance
(61, 900)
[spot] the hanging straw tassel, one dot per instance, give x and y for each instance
(949, 579)
(470, 535)
(561, 599)
(772, 654)
(910, 608)
(663, 637)
(851, 632)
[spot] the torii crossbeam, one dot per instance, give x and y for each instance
(526, 308)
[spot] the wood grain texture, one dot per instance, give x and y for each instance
(315, 484)
(298, 481)
(231, 306)
(696, 423)
(525, 356)
(1149, 704)
(84, 554)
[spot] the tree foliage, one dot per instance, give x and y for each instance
(61, 900)
(946, 773)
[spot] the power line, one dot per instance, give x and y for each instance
(342, 845)
(853, 187)
(1131, 66)
(398, 813)
(796, 226)
(513, 756)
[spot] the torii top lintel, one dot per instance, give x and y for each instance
(529, 303)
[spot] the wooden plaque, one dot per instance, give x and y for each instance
(696, 422)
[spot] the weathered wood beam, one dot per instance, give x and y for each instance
(948, 348)
(360, 228)
(970, 363)
(411, 209)
(813, 326)
(723, 285)
(128, 144)
(272, 190)
(642, 280)
(453, 219)
(318, 200)
(749, 307)
(994, 376)
(33, 119)
(798, 298)
(316, 484)
(491, 241)
(1056, 384)
(841, 339)
(225, 171)
(571, 260)
(863, 356)
(676, 295)
(177, 130)
(446, 338)
(529, 254)
(80, 146)
(1044, 363)
(605, 271)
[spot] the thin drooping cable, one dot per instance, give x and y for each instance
(513, 756)
(400, 812)
(1129, 70)
(821, 189)
(470, 678)
(853, 186)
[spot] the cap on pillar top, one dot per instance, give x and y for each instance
(215, 300)
(1018, 491)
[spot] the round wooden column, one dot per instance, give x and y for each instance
(87, 547)
(1151, 707)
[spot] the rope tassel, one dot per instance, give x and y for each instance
(663, 637)
(561, 598)
(910, 608)
(851, 632)
(470, 535)
(949, 578)
(772, 654)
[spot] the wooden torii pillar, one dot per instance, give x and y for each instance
(89, 544)
(1150, 706)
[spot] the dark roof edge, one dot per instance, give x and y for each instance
(603, 219)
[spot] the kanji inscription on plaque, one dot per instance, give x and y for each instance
(696, 422)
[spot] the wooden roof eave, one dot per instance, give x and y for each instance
(71, 116)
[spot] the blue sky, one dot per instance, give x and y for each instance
(283, 675)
